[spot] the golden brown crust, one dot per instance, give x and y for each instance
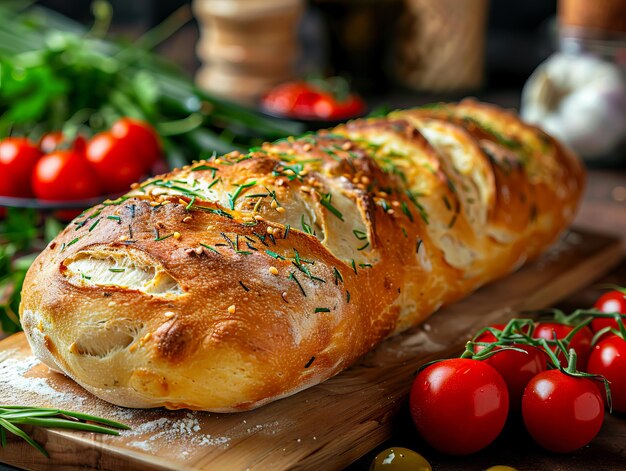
(245, 278)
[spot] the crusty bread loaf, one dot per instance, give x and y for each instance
(242, 279)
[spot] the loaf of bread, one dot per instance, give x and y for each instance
(244, 278)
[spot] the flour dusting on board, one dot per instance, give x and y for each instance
(14, 383)
(184, 430)
(169, 434)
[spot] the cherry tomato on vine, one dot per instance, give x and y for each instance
(608, 358)
(460, 405)
(18, 157)
(516, 368)
(114, 161)
(581, 342)
(562, 413)
(64, 175)
(142, 137)
(613, 301)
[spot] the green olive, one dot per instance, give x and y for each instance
(399, 459)
(501, 468)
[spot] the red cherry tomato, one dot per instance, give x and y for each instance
(581, 342)
(114, 161)
(64, 175)
(302, 100)
(7, 184)
(18, 157)
(613, 301)
(516, 368)
(608, 358)
(562, 413)
(460, 405)
(142, 137)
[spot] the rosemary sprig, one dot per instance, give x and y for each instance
(11, 416)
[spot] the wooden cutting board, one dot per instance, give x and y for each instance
(325, 427)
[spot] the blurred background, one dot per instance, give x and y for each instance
(96, 95)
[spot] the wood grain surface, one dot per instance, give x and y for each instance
(325, 427)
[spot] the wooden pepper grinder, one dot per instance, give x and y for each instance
(246, 46)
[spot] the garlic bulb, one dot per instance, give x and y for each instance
(580, 100)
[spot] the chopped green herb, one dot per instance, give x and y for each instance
(419, 207)
(353, 263)
(326, 202)
(322, 309)
(287, 227)
(305, 227)
(213, 249)
(159, 239)
(205, 167)
(419, 244)
(191, 202)
(117, 270)
(274, 255)
(233, 197)
(348, 296)
(310, 362)
(407, 211)
(93, 226)
(219, 212)
(338, 276)
(244, 286)
(363, 247)
(115, 218)
(453, 221)
(292, 276)
(359, 234)
(73, 241)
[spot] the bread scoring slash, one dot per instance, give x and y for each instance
(244, 278)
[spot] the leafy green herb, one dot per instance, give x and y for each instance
(11, 416)
(115, 218)
(363, 247)
(322, 309)
(117, 270)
